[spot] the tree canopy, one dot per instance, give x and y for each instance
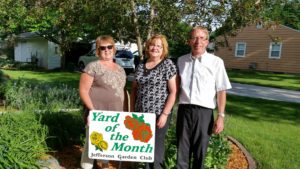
(66, 21)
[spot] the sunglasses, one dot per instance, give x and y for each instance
(104, 47)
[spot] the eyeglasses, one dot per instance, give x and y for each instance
(201, 38)
(158, 46)
(104, 47)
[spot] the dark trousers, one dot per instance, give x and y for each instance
(194, 127)
(159, 150)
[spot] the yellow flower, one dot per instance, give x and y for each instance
(96, 138)
(103, 145)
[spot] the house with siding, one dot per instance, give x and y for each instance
(30, 47)
(276, 49)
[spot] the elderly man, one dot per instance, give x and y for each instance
(204, 82)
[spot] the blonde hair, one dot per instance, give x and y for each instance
(199, 28)
(165, 45)
(105, 38)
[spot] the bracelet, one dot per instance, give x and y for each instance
(221, 114)
(166, 114)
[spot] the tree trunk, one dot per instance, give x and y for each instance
(136, 29)
(152, 8)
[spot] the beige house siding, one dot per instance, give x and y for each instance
(257, 49)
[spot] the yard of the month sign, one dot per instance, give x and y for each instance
(121, 136)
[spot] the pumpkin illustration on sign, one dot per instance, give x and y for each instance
(140, 130)
(98, 142)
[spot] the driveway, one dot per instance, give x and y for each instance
(265, 92)
(268, 93)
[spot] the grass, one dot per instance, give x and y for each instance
(269, 131)
(69, 78)
(53, 77)
(284, 81)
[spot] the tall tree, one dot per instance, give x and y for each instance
(65, 21)
(284, 12)
(12, 15)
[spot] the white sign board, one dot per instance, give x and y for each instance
(121, 136)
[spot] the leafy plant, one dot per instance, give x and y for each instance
(7, 63)
(2, 80)
(1, 76)
(22, 94)
(170, 143)
(217, 152)
(51, 104)
(65, 128)
(22, 140)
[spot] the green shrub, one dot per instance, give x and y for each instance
(22, 94)
(2, 84)
(65, 128)
(170, 145)
(217, 152)
(49, 103)
(7, 63)
(22, 140)
(1, 77)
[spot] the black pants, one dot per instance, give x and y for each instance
(159, 150)
(194, 127)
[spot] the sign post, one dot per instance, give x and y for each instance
(121, 136)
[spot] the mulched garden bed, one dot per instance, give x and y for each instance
(69, 158)
(237, 159)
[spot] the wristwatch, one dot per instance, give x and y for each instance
(221, 114)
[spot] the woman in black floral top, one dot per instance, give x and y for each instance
(154, 91)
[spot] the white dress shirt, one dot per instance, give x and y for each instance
(201, 79)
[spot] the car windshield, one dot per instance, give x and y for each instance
(91, 53)
(124, 54)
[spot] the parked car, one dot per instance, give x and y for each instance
(87, 58)
(123, 58)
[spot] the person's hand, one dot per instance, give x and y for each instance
(219, 125)
(88, 118)
(162, 120)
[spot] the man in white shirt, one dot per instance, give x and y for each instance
(204, 82)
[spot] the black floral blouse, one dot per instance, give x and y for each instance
(152, 90)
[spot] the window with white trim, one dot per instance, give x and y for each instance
(240, 49)
(275, 50)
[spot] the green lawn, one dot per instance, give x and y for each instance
(55, 77)
(270, 130)
(285, 81)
